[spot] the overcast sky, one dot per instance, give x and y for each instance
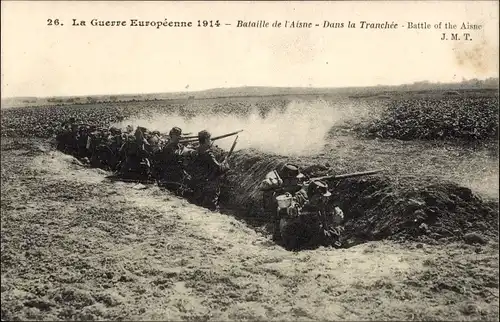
(41, 60)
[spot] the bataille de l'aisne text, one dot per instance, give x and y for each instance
(363, 24)
(303, 24)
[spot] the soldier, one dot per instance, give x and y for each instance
(206, 173)
(169, 162)
(311, 219)
(286, 179)
(94, 139)
(154, 141)
(114, 143)
(127, 139)
(115, 139)
(102, 155)
(82, 137)
(91, 138)
(66, 136)
(129, 129)
(135, 151)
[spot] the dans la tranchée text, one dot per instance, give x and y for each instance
(447, 26)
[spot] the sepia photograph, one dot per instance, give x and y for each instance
(249, 160)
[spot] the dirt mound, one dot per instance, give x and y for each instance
(376, 207)
(377, 210)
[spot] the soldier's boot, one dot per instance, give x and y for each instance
(276, 233)
(276, 230)
(337, 232)
(94, 161)
(125, 168)
(210, 196)
(197, 196)
(330, 236)
(211, 201)
(290, 236)
(209, 205)
(155, 173)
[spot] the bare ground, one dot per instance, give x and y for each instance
(475, 167)
(76, 246)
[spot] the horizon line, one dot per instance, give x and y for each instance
(257, 86)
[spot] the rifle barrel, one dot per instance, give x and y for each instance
(348, 175)
(357, 174)
(232, 148)
(213, 139)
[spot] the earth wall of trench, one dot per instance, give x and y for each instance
(375, 207)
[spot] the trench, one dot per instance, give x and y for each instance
(375, 207)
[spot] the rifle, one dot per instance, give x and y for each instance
(215, 175)
(183, 140)
(326, 178)
(345, 176)
(231, 150)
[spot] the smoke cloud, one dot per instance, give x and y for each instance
(301, 129)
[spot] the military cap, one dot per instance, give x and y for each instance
(203, 135)
(175, 131)
(318, 187)
(290, 171)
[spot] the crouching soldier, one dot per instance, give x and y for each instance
(136, 154)
(114, 143)
(95, 140)
(206, 173)
(310, 218)
(286, 179)
(170, 162)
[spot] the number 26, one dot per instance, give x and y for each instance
(51, 22)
